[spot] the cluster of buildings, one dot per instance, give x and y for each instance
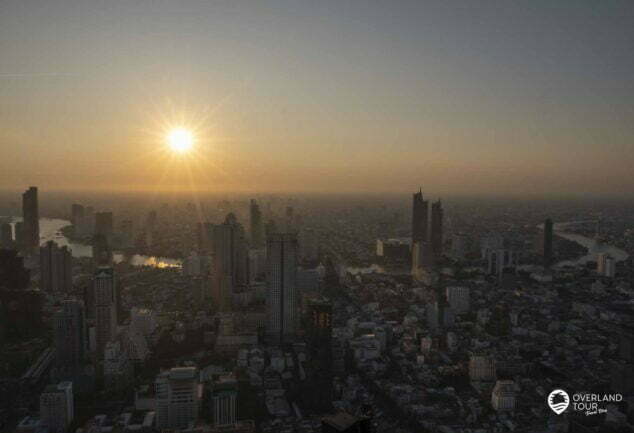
(267, 328)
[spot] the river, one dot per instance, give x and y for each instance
(594, 247)
(50, 231)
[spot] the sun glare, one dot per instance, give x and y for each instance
(180, 140)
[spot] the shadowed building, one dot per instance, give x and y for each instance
(69, 328)
(420, 217)
(6, 236)
(436, 229)
(257, 227)
(105, 296)
(55, 268)
(545, 243)
(282, 298)
(230, 260)
(31, 220)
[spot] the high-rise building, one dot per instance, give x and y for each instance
(230, 260)
(101, 251)
(69, 327)
(13, 274)
(105, 295)
(606, 265)
(547, 243)
(19, 235)
(104, 224)
(459, 246)
(420, 218)
(56, 265)
(76, 216)
(498, 260)
(6, 236)
(257, 227)
(20, 308)
(57, 407)
(282, 298)
(319, 332)
(257, 264)
(436, 229)
(177, 397)
(224, 396)
(422, 262)
(31, 218)
(458, 299)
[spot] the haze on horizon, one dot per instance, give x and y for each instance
(530, 98)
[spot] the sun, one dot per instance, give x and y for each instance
(180, 140)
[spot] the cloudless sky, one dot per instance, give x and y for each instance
(457, 96)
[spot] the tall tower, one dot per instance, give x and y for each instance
(257, 228)
(31, 225)
(282, 297)
(436, 229)
(105, 295)
(55, 268)
(547, 250)
(420, 218)
(229, 259)
(70, 336)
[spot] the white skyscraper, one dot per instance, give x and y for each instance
(282, 295)
(57, 406)
(105, 307)
(177, 397)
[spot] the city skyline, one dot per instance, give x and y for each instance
(305, 97)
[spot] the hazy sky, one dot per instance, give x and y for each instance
(458, 96)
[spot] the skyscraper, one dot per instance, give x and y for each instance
(101, 252)
(55, 268)
(436, 229)
(31, 225)
(546, 243)
(257, 227)
(177, 397)
(13, 274)
(104, 224)
(224, 403)
(105, 295)
(282, 297)
(319, 324)
(229, 260)
(69, 327)
(6, 236)
(420, 218)
(76, 215)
